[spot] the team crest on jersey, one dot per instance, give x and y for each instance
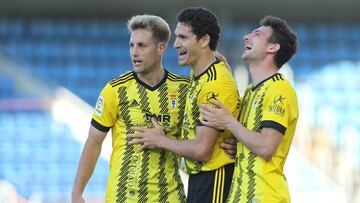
(99, 106)
(173, 101)
(256, 101)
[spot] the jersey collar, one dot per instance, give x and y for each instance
(163, 80)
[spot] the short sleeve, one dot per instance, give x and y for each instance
(278, 109)
(104, 116)
(223, 91)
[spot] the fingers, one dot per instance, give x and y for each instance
(217, 103)
(231, 141)
(140, 149)
(135, 141)
(155, 123)
(204, 122)
(140, 129)
(230, 154)
(205, 107)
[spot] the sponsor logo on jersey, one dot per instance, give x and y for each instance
(277, 106)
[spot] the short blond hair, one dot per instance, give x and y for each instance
(158, 26)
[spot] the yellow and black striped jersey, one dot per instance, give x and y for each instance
(270, 104)
(216, 82)
(125, 102)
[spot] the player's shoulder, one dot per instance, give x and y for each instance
(122, 79)
(279, 80)
(219, 71)
(177, 78)
(279, 83)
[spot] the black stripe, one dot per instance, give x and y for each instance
(275, 125)
(183, 89)
(177, 77)
(124, 77)
(215, 76)
(206, 70)
(100, 127)
(124, 113)
(144, 172)
(178, 80)
(121, 82)
(273, 77)
(163, 182)
(251, 174)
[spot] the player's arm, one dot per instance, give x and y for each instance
(89, 157)
(199, 149)
(263, 143)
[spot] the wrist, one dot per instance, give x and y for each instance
(231, 123)
(162, 143)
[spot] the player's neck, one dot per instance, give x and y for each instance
(153, 77)
(203, 62)
(261, 70)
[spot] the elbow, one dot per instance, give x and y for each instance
(267, 154)
(203, 155)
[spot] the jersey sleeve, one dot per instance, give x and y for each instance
(223, 91)
(278, 108)
(104, 116)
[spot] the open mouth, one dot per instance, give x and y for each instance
(248, 47)
(182, 53)
(136, 62)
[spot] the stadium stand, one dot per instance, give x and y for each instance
(40, 153)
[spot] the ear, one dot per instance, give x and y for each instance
(205, 40)
(161, 48)
(273, 48)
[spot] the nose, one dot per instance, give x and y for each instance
(133, 51)
(246, 37)
(176, 43)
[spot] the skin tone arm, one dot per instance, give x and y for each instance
(89, 157)
(199, 149)
(264, 143)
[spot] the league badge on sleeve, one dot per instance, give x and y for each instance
(99, 106)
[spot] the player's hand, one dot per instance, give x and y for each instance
(217, 118)
(77, 199)
(222, 58)
(149, 138)
(229, 146)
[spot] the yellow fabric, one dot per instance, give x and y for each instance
(272, 103)
(215, 82)
(152, 175)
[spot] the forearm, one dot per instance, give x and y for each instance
(252, 140)
(186, 148)
(86, 166)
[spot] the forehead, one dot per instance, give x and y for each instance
(182, 28)
(141, 34)
(264, 30)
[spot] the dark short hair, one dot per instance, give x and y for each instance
(283, 35)
(202, 21)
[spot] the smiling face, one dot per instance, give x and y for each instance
(187, 45)
(256, 44)
(144, 51)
